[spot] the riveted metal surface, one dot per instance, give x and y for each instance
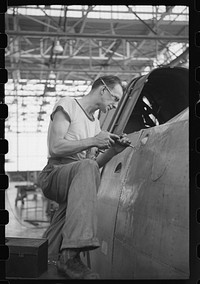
(143, 210)
(153, 214)
(108, 200)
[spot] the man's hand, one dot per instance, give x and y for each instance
(121, 143)
(105, 140)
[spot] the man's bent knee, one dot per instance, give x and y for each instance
(88, 163)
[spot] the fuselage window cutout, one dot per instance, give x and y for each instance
(118, 168)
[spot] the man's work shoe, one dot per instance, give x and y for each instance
(70, 265)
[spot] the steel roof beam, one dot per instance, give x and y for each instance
(155, 26)
(34, 19)
(179, 58)
(25, 69)
(77, 46)
(51, 18)
(67, 57)
(102, 36)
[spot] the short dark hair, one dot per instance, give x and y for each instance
(110, 81)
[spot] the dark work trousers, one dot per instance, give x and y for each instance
(74, 186)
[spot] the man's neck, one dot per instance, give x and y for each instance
(88, 104)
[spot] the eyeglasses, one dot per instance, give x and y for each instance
(115, 97)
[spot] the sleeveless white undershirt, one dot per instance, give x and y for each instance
(81, 126)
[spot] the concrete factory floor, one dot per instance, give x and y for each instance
(27, 219)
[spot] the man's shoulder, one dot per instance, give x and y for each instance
(66, 102)
(66, 99)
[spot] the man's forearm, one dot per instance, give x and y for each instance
(65, 147)
(105, 157)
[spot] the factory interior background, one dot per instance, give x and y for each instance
(55, 51)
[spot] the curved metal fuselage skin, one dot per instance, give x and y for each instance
(143, 207)
(143, 199)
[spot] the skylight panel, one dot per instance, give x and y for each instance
(75, 7)
(145, 12)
